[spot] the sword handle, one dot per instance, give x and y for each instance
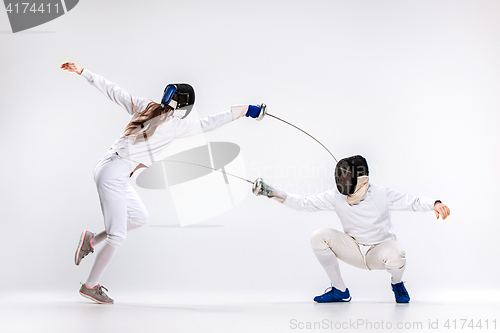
(263, 111)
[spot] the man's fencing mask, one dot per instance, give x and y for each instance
(347, 172)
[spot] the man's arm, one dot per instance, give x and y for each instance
(441, 209)
(323, 201)
(401, 201)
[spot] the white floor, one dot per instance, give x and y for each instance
(147, 312)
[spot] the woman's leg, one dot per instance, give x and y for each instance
(112, 183)
(137, 215)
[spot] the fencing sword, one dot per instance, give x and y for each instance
(263, 112)
(207, 167)
(257, 185)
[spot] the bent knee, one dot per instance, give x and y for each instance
(139, 218)
(319, 239)
(138, 223)
(116, 240)
(395, 257)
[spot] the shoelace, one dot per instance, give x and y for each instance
(331, 288)
(100, 288)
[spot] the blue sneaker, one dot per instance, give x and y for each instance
(333, 295)
(400, 293)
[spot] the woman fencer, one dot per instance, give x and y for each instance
(152, 127)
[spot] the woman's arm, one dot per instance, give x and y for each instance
(71, 67)
(189, 127)
(131, 104)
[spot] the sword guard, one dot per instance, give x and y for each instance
(260, 188)
(263, 111)
(257, 188)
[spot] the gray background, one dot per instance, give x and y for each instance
(412, 86)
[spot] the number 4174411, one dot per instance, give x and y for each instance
(25, 7)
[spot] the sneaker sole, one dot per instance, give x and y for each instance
(340, 301)
(79, 248)
(95, 299)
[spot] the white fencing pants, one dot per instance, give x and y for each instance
(121, 207)
(120, 204)
(329, 245)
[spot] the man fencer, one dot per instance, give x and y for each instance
(364, 211)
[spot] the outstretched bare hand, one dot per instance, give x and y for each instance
(441, 209)
(71, 67)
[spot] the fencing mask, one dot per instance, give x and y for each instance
(185, 99)
(347, 172)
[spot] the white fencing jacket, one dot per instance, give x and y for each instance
(173, 128)
(367, 221)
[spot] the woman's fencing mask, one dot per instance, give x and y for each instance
(185, 99)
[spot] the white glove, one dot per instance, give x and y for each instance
(239, 111)
(261, 188)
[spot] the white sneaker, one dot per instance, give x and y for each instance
(96, 294)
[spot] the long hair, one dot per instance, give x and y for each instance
(145, 124)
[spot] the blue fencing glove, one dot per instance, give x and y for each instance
(253, 111)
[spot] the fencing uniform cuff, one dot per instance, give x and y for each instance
(86, 74)
(238, 111)
(278, 194)
(427, 203)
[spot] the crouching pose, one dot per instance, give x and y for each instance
(364, 211)
(152, 127)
